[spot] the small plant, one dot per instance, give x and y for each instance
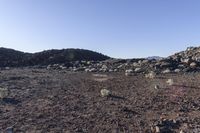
(3, 93)
(105, 93)
(170, 82)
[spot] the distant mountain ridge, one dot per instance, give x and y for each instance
(14, 58)
(154, 58)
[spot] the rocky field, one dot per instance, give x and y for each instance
(81, 91)
(62, 101)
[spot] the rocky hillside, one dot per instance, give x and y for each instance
(65, 56)
(89, 61)
(185, 61)
(10, 57)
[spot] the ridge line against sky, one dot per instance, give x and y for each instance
(117, 28)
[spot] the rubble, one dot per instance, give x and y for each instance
(185, 61)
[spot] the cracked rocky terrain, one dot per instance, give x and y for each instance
(61, 101)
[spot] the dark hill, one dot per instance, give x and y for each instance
(10, 57)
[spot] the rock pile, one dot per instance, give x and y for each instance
(185, 61)
(165, 126)
(188, 60)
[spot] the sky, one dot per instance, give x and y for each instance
(117, 28)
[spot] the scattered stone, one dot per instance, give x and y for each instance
(110, 70)
(128, 72)
(170, 82)
(87, 70)
(151, 75)
(120, 66)
(193, 65)
(7, 68)
(138, 69)
(153, 130)
(157, 87)
(166, 71)
(104, 67)
(105, 93)
(187, 60)
(165, 64)
(92, 70)
(157, 129)
(3, 93)
(177, 70)
(115, 70)
(48, 67)
(135, 64)
(63, 67)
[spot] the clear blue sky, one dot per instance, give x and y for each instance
(118, 28)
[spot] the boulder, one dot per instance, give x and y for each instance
(128, 72)
(150, 75)
(166, 71)
(170, 82)
(105, 93)
(193, 65)
(177, 70)
(138, 69)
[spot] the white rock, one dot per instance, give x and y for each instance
(129, 71)
(177, 70)
(104, 67)
(88, 62)
(187, 60)
(120, 66)
(145, 61)
(128, 74)
(139, 61)
(170, 82)
(166, 71)
(193, 64)
(75, 70)
(115, 70)
(157, 129)
(48, 67)
(87, 70)
(138, 69)
(63, 67)
(105, 92)
(110, 70)
(92, 70)
(151, 75)
(135, 64)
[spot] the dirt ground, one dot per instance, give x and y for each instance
(53, 101)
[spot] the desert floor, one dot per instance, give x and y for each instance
(42, 101)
